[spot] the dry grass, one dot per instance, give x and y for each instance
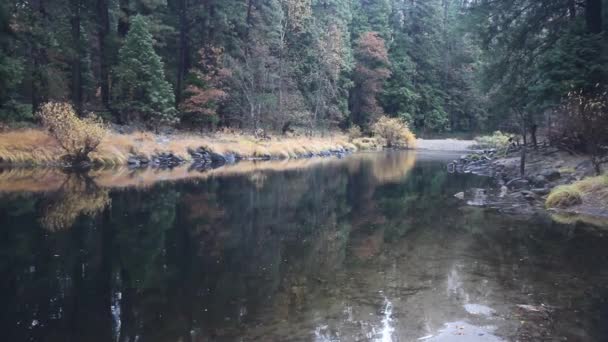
(367, 144)
(283, 148)
(36, 147)
(597, 184)
(28, 147)
(591, 189)
(564, 196)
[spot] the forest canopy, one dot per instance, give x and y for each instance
(439, 65)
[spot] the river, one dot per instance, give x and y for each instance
(371, 247)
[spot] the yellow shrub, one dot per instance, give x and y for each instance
(395, 132)
(354, 132)
(77, 136)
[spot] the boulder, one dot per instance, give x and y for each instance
(551, 175)
(166, 160)
(478, 196)
(586, 164)
(539, 181)
(541, 191)
(518, 183)
(133, 161)
(528, 195)
(231, 158)
(217, 159)
(503, 191)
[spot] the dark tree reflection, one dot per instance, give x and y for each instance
(268, 255)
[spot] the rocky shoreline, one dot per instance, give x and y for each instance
(203, 158)
(546, 168)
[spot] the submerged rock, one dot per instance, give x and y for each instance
(478, 197)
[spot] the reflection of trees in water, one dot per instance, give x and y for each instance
(77, 196)
(210, 260)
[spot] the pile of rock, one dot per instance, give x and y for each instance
(167, 160)
(138, 161)
(203, 158)
(477, 162)
(545, 169)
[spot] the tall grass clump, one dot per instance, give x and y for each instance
(593, 184)
(573, 194)
(78, 137)
(394, 132)
(28, 147)
(564, 196)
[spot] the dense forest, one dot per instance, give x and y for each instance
(440, 65)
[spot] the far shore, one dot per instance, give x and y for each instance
(35, 147)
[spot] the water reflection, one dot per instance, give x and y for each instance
(77, 196)
(372, 247)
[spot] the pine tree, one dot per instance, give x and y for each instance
(141, 90)
(11, 72)
(414, 92)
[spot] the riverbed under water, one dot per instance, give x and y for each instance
(372, 247)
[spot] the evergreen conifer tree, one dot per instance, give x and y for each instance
(141, 88)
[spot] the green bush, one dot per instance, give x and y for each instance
(12, 111)
(498, 140)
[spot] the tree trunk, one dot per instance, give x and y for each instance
(522, 162)
(103, 28)
(75, 6)
(249, 19)
(593, 16)
(283, 34)
(123, 18)
(572, 9)
(533, 131)
(183, 50)
(39, 82)
(524, 133)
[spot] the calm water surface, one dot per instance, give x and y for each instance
(373, 247)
